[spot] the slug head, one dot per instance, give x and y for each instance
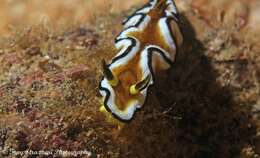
(122, 93)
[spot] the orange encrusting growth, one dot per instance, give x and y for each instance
(131, 73)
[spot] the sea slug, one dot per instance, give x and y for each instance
(147, 45)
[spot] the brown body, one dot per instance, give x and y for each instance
(155, 38)
(131, 73)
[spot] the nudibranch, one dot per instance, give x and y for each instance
(147, 46)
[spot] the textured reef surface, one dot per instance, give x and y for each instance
(207, 105)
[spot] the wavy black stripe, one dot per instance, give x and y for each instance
(147, 5)
(150, 53)
(177, 12)
(140, 20)
(168, 20)
(133, 44)
(108, 94)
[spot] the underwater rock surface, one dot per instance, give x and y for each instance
(207, 105)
